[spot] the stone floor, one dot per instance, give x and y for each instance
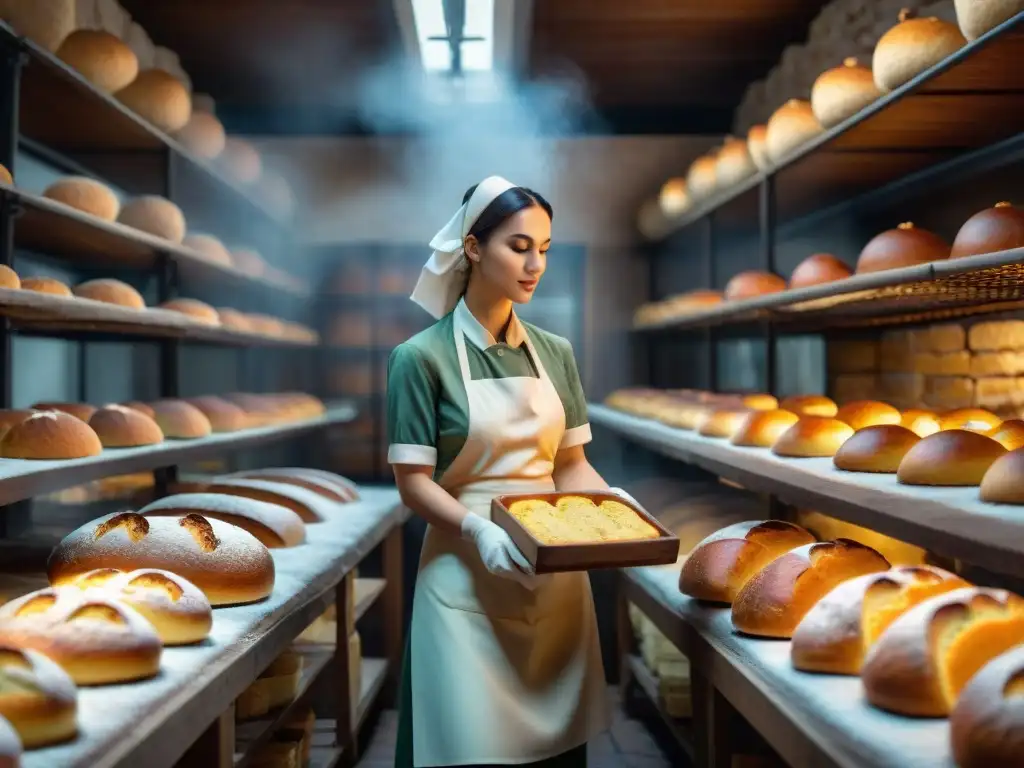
(627, 744)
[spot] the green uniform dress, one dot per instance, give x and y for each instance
(428, 423)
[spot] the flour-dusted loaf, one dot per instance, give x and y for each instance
(774, 601)
(118, 426)
(50, 436)
(327, 484)
(274, 525)
(100, 58)
(812, 436)
(110, 291)
(925, 658)
(37, 697)
(178, 610)
(160, 98)
(86, 195)
(952, 457)
(95, 639)
(880, 448)
(987, 723)
(156, 215)
(721, 564)
(841, 628)
(48, 285)
(305, 503)
(230, 565)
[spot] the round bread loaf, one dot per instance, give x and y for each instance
(224, 416)
(972, 419)
(878, 448)
(722, 422)
(141, 408)
(158, 97)
(757, 145)
(120, 427)
(868, 413)
(241, 160)
(177, 608)
(8, 418)
(760, 429)
(905, 246)
(842, 92)
(275, 526)
(747, 285)
(925, 658)
(248, 261)
(95, 639)
(790, 126)
(812, 436)
(976, 17)
(155, 215)
(36, 697)
(100, 58)
(265, 325)
(10, 746)
(180, 420)
(209, 247)
(86, 195)
(110, 291)
(952, 457)
(759, 401)
(50, 436)
(987, 722)
(673, 198)
(227, 563)
(999, 228)
(702, 177)
(234, 320)
(911, 47)
(326, 484)
(197, 310)
(774, 601)
(922, 423)
(50, 285)
(722, 563)
(840, 629)
(306, 504)
(1009, 434)
(733, 163)
(818, 268)
(9, 278)
(809, 405)
(1002, 481)
(203, 134)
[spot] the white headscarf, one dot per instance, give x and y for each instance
(443, 278)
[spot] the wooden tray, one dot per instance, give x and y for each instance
(554, 558)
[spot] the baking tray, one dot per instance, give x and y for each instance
(554, 558)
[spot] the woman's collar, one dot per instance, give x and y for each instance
(515, 335)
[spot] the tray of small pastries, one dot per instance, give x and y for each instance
(583, 531)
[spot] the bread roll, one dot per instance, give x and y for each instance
(95, 639)
(733, 163)
(326, 484)
(50, 436)
(722, 422)
(209, 247)
(976, 17)
(812, 436)
(673, 199)
(180, 420)
(973, 419)
(761, 429)
(722, 563)
(195, 309)
(1009, 434)
(120, 427)
(702, 177)
(86, 195)
(774, 601)
(911, 47)
(241, 160)
(905, 246)
(9, 278)
(100, 58)
(158, 97)
(867, 413)
(141, 408)
(999, 228)
(110, 291)
(36, 697)
(818, 268)
(275, 526)
(49, 285)
(837, 633)
(757, 146)
(155, 215)
(927, 655)
(987, 722)
(759, 401)
(44, 22)
(878, 448)
(228, 564)
(809, 405)
(752, 283)
(5, 176)
(10, 746)
(8, 418)
(223, 416)
(952, 457)
(791, 125)
(842, 92)
(302, 502)
(1002, 484)
(234, 320)
(203, 134)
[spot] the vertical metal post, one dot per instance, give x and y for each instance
(12, 60)
(710, 336)
(167, 288)
(766, 216)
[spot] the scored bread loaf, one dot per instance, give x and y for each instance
(953, 457)
(927, 655)
(230, 565)
(305, 503)
(880, 448)
(37, 697)
(274, 525)
(97, 640)
(812, 436)
(841, 628)
(987, 723)
(722, 563)
(774, 601)
(327, 484)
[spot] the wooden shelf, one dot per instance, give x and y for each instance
(367, 592)
(811, 721)
(948, 521)
(22, 479)
(373, 678)
(648, 683)
(198, 683)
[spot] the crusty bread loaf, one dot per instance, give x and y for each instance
(951, 457)
(812, 436)
(747, 285)
(879, 448)
(37, 697)
(774, 601)
(867, 413)
(973, 419)
(197, 310)
(180, 420)
(827, 528)
(722, 422)
(10, 745)
(209, 247)
(100, 58)
(761, 429)
(50, 436)
(86, 195)
(160, 98)
(177, 608)
(223, 415)
(1009, 434)
(118, 426)
(95, 639)
(227, 563)
(927, 655)
(156, 215)
(987, 723)
(203, 134)
(110, 291)
(837, 633)
(50, 285)
(306, 504)
(275, 526)
(326, 484)
(722, 563)
(1003, 481)
(809, 405)
(921, 422)
(790, 126)
(904, 246)
(911, 47)
(842, 92)
(818, 268)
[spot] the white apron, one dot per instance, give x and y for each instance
(501, 674)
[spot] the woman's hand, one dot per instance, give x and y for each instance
(500, 555)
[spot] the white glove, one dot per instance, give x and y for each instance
(498, 552)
